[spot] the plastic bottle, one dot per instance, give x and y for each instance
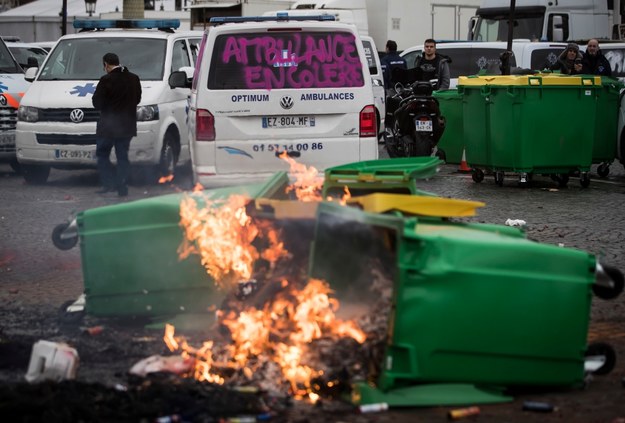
(540, 407)
(461, 413)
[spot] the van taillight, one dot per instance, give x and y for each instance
(368, 122)
(204, 125)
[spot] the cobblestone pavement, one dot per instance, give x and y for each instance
(33, 271)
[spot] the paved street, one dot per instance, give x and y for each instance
(33, 271)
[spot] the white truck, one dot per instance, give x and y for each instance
(545, 20)
(407, 22)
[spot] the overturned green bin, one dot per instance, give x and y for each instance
(473, 304)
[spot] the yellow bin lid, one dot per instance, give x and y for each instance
(530, 80)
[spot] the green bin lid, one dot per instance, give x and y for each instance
(400, 169)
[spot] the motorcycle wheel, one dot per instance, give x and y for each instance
(392, 147)
(417, 146)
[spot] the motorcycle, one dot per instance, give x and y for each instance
(413, 121)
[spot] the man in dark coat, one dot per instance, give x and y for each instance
(594, 62)
(433, 66)
(116, 97)
(389, 63)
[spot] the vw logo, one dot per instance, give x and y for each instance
(3, 100)
(286, 102)
(77, 115)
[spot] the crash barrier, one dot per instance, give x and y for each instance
(470, 304)
(546, 124)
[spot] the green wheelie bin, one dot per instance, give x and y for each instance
(606, 124)
(452, 140)
(527, 125)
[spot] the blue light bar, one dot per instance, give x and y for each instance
(283, 16)
(127, 23)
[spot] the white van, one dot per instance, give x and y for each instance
(57, 121)
(12, 89)
(471, 58)
(377, 77)
(268, 85)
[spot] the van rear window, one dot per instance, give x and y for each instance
(285, 60)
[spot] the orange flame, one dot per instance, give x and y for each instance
(229, 242)
(164, 179)
(282, 331)
(308, 181)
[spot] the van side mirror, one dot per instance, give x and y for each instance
(557, 28)
(30, 74)
(179, 79)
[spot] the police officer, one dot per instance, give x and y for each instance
(391, 61)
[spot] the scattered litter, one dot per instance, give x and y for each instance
(515, 222)
(53, 361)
(560, 244)
(461, 413)
(169, 419)
(94, 330)
(121, 388)
(373, 408)
(156, 363)
(541, 407)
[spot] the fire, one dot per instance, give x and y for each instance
(308, 181)
(281, 328)
(281, 332)
(165, 179)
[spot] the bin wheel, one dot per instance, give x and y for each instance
(499, 178)
(477, 175)
(584, 179)
(561, 178)
(605, 350)
(603, 170)
(525, 180)
(63, 243)
(610, 292)
(440, 153)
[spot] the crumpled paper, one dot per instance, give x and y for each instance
(157, 363)
(516, 222)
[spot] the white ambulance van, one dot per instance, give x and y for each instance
(12, 89)
(57, 121)
(268, 85)
(377, 78)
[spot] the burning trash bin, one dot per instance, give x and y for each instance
(438, 311)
